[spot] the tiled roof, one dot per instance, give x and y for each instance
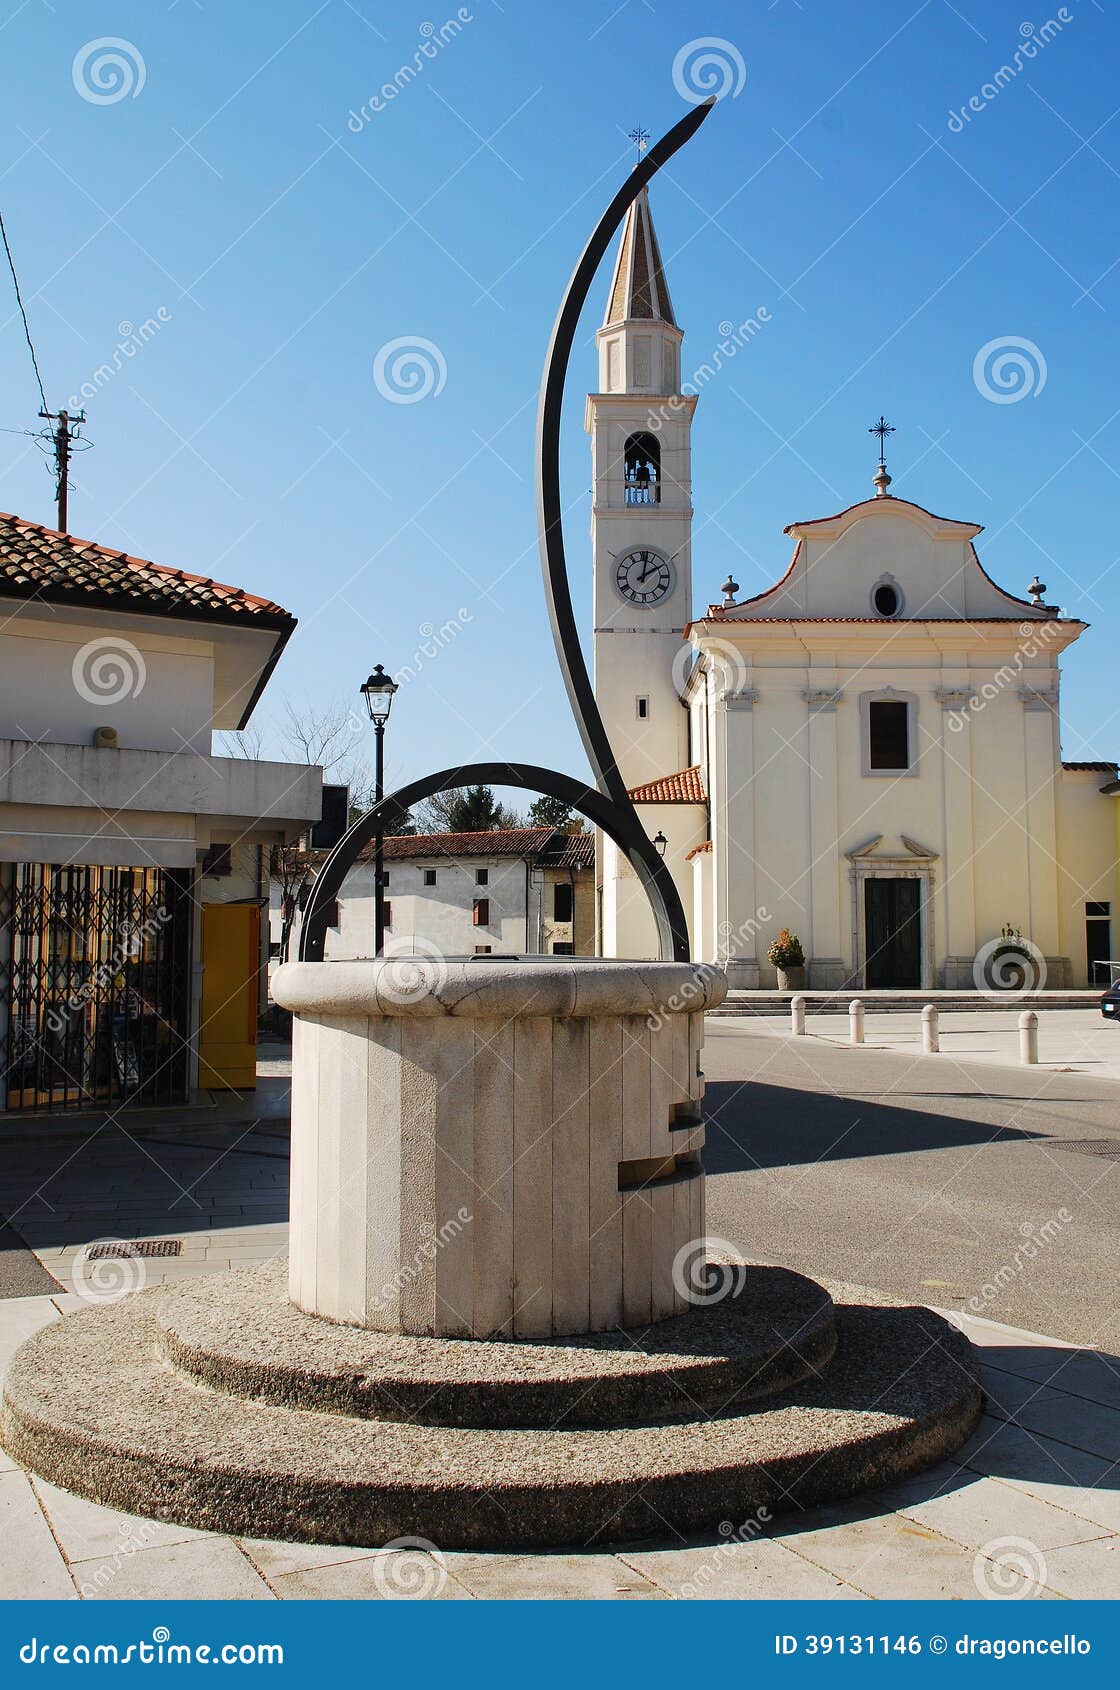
(682, 788)
(638, 287)
(1093, 768)
(40, 563)
(698, 850)
(559, 849)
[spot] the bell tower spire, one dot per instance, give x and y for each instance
(640, 425)
(639, 341)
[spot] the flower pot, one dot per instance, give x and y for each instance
(791, 979)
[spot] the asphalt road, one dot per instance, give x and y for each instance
(925, 1177)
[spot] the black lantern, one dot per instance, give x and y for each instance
(660, 843)
(378, 693)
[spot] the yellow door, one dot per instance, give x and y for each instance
(227, 1040)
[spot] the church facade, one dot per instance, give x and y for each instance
(867, 753)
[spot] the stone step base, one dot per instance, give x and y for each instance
(763, 1329)
(90, 1404)
(896, 1003)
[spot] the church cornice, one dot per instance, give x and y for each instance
(831, 527)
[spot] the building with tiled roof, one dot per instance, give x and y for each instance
(507, 890)
(117, 818)
(866, 750)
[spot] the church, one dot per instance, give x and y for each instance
(867, 753)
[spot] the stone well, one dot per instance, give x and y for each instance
(506, 1147)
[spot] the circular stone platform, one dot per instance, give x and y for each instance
(93, 1404)
(763, 1330)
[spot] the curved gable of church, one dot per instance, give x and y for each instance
(841, 562)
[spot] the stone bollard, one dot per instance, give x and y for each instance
(855, 1021)
(931, 1042)
(797, 1013)
(1028, 1036)
(495, 1149)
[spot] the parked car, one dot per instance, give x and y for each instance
(1110, 1003)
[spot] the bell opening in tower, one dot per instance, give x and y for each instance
(642, 470)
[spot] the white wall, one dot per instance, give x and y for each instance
(440, 915)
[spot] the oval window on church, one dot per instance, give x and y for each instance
(886, 599)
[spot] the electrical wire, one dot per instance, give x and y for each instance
(23, 313)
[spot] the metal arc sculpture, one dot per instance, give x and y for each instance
(607, 804)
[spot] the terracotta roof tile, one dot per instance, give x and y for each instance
(1093, 768)
(40, 563)
(698, 850)
(557, 848)
(683, 788)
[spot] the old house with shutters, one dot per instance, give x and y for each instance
(133, 861)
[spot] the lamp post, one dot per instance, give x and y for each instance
(378, 693)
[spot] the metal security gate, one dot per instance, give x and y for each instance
(94, 986)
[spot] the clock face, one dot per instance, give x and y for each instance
(643, 576)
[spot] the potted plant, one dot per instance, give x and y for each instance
(1014, 963)
(786, 955)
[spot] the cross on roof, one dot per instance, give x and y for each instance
(639, 136)
(882, 429)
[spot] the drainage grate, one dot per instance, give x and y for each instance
(135, 1247)
(1109, 1148)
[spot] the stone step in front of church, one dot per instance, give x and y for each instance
(900, 1002)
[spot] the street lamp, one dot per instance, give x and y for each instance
(660, 843)
(378, 693)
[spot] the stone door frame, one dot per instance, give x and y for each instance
(914, 862)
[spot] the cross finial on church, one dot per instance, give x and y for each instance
(639, 136)
(882, 428)
(881, 479)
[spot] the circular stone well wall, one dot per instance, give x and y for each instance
(499, 1148)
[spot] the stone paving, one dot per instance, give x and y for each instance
(1029, 1507)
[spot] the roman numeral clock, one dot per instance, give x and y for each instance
(644, 576)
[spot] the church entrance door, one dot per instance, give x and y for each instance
(892, 914)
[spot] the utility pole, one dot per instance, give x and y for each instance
(65, 433)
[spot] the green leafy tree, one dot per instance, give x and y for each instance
(466, 809)
(553, 812)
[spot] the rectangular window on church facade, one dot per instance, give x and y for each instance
(888, 735)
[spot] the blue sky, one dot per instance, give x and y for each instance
(238, 198)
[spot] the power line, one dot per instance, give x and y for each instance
(22, 312)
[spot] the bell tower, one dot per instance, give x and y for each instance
(641, 521)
